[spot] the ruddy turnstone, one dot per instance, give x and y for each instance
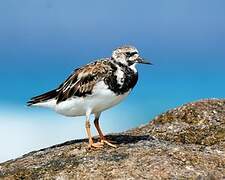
(94, 88)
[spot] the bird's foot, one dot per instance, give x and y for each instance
(97, 145)
(109, 143)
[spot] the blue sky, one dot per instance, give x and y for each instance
(41, 42)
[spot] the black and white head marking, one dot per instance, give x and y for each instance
(127, 55)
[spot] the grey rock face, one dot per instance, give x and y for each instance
(187, 142)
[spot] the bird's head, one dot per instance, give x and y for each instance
(128, 55)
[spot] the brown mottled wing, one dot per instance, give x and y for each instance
(83, 80)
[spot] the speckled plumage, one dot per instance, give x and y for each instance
(94, 87)
(82, 81)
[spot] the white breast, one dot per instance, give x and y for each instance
(120, 75)
(101, 99)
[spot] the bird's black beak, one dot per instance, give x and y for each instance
(143, 61)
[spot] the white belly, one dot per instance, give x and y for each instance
(100, 100)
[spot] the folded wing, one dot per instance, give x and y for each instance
(78, 84)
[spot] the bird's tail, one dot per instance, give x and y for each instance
(42, 98)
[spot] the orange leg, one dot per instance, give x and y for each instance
(88, 130)
(102, 137)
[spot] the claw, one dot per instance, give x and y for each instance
(103, 141)
(111, 141)
(95, 145)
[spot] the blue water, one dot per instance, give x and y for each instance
(41, 42)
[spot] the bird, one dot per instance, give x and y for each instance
(94, 88)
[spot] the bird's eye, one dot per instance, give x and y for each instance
(129, 54)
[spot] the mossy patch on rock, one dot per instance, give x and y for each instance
(202, 122)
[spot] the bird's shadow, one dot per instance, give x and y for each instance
(128, 139)
(118, 139)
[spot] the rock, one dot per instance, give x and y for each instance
(201, 122)
(187, 142)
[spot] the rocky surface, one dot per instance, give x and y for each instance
(187, 142)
